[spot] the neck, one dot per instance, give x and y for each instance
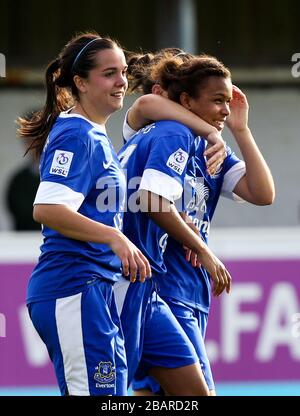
(88, 112)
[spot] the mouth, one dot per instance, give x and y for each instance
(219, 124)
(118, 94)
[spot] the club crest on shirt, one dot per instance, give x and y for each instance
(105, 373)
(178, 160)
(200, 196)
(61, 163)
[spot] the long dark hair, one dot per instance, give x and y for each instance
(76, 58)
(190, 76)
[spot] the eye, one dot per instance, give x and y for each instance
(109, 74)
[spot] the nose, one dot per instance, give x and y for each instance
(121, 80)
(225, 109)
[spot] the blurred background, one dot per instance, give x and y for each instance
(253, 336)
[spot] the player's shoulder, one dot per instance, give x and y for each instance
(77, 128)
(173, 127)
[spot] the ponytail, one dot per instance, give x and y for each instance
(37, 127)
(138, 72)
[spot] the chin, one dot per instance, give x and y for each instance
(218, 127)
(115, 108)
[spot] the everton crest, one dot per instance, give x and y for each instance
(106, 372)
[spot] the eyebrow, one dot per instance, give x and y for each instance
(113, 68)
(220, 93)
(217, 94)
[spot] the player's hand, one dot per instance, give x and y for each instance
(190, 255)
(215, 152)
(239, 108)
(219, 274)
(133, 261)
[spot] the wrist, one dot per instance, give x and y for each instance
(110, 234)
(211, 131)
(241, 132)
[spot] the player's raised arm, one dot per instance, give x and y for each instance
(257, 185)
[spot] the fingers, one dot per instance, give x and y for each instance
(136, 264)
(212, 167)
(211, 150)
(188, 254)
(133, 268)
(222, 280)
(229, 281)
(216, 155)
(125, 267)
(238, 96)
(194, 258)
(143, 267)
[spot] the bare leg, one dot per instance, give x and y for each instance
(182, 381)
(143, 392)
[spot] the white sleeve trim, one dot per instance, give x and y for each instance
(231, 178)
(58, 194)
(161, 184)
(128, 132)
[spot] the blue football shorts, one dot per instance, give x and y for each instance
(153, 336)
(85, 342)
(194, 323)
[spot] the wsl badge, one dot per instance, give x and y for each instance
(106, 372)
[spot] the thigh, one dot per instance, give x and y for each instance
(168, 354)
(82, 340)
(120, 353)
(133, 302)
(42, 315)
(194, 324)
(103, 342)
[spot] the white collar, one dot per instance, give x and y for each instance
(66, 114)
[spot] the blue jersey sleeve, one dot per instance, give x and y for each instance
(66, 174)
(166, 166)
(67, 162)
(234, 170)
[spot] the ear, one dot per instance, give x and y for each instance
(185, 100)
(80, 84)
(157, 89)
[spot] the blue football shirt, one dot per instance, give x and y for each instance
(79, 168)
(182, 281)
(155, 159)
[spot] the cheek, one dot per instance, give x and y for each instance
(101, 85)
(201, 110)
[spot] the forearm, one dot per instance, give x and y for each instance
(72, 224)
(152, 107)
(259, 180)
(169, 219)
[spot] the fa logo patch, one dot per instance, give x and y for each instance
(106, 372)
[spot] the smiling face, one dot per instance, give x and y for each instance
(212, 102)
(106, 84)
